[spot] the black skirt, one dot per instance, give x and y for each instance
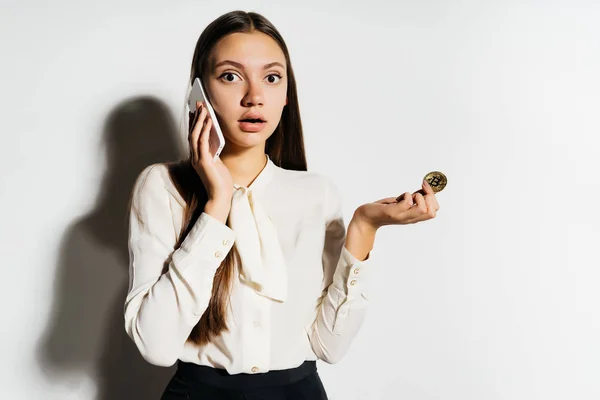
(199, 382)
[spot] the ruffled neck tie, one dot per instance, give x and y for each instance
(262, 262)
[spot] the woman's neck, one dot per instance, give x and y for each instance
(245, 167)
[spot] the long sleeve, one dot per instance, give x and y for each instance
(162, 308)
(343, 304)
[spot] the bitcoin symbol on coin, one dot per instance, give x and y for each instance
(436, 180)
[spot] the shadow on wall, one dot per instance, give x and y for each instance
(85, 343)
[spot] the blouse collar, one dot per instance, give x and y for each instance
(263, 178)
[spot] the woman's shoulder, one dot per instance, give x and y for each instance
(155, 180)
(152, 177)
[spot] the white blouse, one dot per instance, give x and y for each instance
(298, 294)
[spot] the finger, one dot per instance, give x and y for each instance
(387, 200)
(196, 133)
(420, 207)
(427, 191)
(204, 143)
(431, 207)
(423, 210)
(405, 197)
(437, 205)
(190, 124)
(193, 117)
(427, 188)
(191, 138)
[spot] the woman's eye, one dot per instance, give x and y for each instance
(228, 74)
(274, 75)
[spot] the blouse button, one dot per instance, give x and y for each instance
(353, 282)
(254, 369)
(356, 271)
(225, 242)
(218, 254)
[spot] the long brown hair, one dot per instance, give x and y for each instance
(285, 148)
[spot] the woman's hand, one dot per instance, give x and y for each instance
(214, 175)
(419, 206)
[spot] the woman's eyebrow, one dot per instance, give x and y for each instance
(240, 66)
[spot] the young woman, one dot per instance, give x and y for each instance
(242, 270)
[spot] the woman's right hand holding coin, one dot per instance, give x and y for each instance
(214, 174)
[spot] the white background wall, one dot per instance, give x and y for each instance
(496, 298)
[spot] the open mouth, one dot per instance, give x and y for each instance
(252, 124)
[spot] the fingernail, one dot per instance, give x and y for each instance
(426, 183)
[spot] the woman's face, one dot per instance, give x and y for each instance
(247, 74)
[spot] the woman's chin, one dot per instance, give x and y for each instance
(245, 142)
(247, 139)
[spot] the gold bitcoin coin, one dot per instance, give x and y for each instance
(436, 180)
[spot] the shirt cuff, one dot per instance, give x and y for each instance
(207, 243)
(352, 274)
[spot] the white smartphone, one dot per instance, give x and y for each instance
(216, 140)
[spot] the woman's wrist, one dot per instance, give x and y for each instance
(218, 208)
(360, 237)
